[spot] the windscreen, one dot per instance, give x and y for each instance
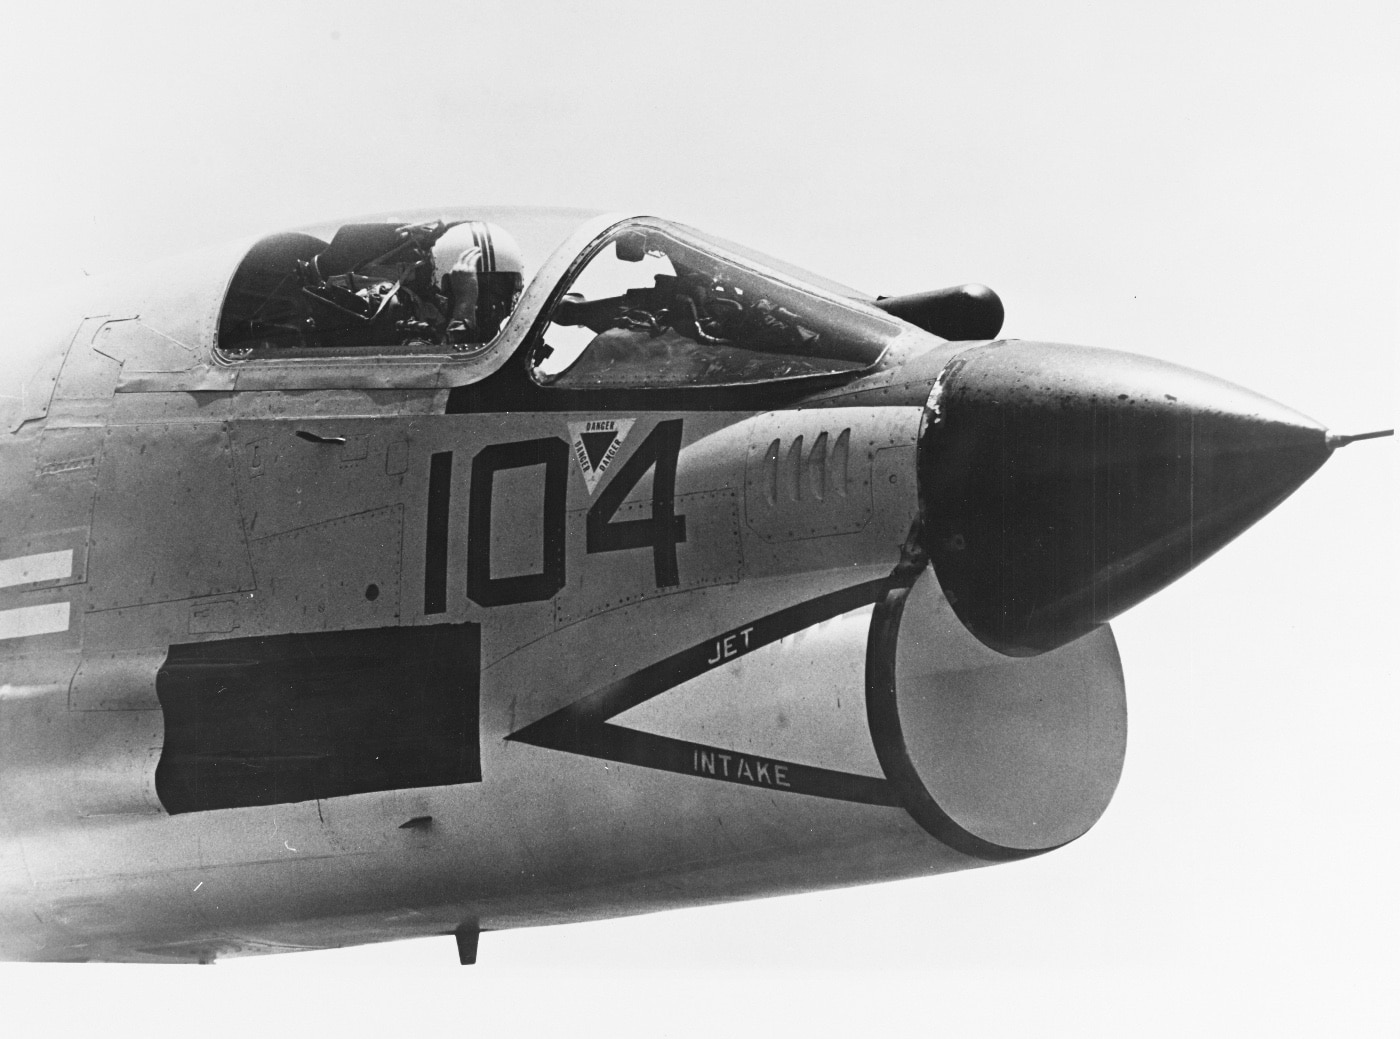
(657, 306)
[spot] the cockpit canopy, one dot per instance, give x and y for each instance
(657, 305)
(645, 304)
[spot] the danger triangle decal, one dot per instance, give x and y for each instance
(596, 443)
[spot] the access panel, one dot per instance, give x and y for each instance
(284, 718)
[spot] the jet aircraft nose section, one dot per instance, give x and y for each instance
(1062, 484)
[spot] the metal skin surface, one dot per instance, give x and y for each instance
(309, 652)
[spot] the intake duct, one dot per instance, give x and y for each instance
(998, 757)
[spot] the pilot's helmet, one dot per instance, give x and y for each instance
(478, 267)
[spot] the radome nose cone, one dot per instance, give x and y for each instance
(1064, 484)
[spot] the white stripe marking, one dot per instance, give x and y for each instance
(47, 566)
(34, 620)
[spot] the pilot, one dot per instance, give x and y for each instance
(480, 274)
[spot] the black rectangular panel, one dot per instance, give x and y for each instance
(284, 718)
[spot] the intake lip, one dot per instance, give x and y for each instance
(1061, 485)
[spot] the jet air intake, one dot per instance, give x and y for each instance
(1061, 485)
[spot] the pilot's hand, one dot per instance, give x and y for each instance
(570, 310)
(427, 233)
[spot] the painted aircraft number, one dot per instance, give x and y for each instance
(661, 532)
(664, 530)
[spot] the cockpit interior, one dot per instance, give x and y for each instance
(646, 304)
(655, 306)
(373, 287)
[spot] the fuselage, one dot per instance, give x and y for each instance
(343, 646)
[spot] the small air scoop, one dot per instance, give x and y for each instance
(317, 438)
(1336, 440)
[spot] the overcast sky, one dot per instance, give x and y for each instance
(1214, 184)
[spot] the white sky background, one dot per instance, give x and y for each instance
(1214, 184)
